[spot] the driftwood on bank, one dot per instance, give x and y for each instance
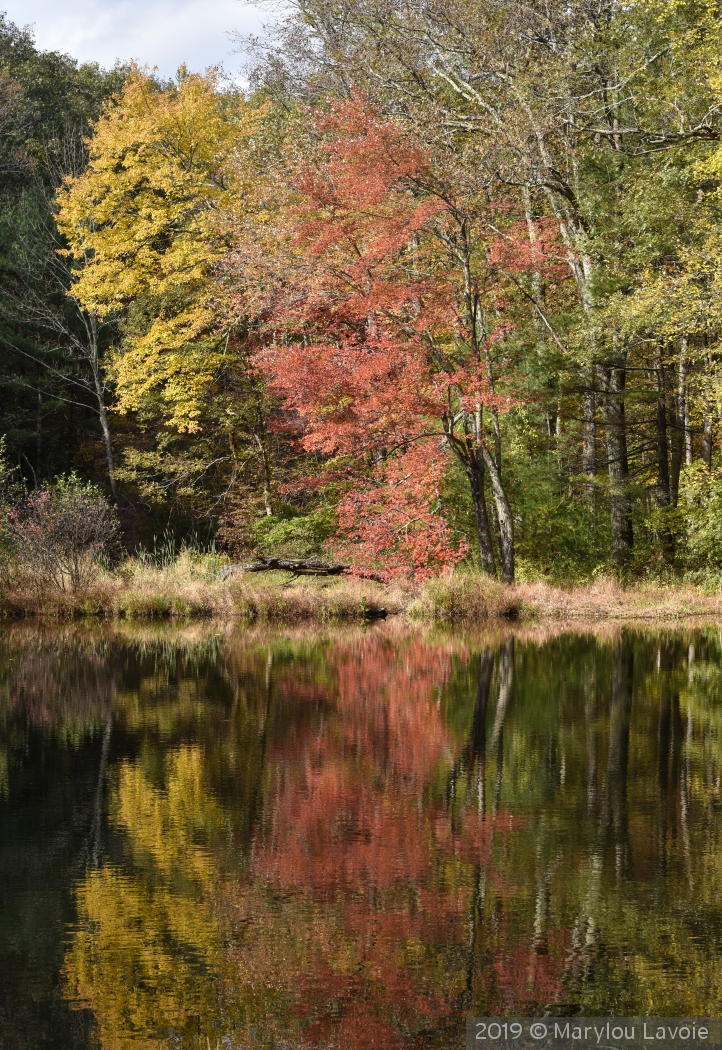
(303, 567)
(296, 566)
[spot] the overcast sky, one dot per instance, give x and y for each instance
(162, 33)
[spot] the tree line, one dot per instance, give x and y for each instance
(440, 287)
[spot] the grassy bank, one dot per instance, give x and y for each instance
(189, 588)
(465, 598)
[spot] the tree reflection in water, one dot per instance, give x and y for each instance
(357, 840)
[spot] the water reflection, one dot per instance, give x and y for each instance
(355, 840)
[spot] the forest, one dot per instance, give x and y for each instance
(436, 288)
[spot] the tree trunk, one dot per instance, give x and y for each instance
(707, 438)
(39, 435)
(589, 448)
(589, 442)
(107, 440)
(260, 437)
(94, 359)
(612, 381)
(688, 449)
(664, 497)
(475, 474)
(663, 487)
(265, 472)
(683, 403)
(504, 517)
(679, 429)
(471, 454)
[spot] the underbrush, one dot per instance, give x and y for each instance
(609, 599)
(187, 587)
(471, 597)
(466, 596)
(314, 599)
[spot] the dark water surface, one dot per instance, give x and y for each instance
(353, 840)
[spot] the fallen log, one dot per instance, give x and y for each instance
(296, 566)
(299, 567)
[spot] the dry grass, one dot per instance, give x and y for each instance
(468, 597)
(609, 600)
(189, 589)
(310, 599)
(471, 598)
(185, 589)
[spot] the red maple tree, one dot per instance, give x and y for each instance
(389, 328)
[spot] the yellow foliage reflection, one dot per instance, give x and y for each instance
(174, 953)
(147, 955)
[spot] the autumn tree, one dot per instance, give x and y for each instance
(416, 285)
(143, 234)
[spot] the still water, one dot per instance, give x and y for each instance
(223, 839)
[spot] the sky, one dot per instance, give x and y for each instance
(162, 33)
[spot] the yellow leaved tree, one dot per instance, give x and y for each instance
(141, 228)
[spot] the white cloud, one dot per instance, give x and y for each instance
(162, 33)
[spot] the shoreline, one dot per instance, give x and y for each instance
(463, 599)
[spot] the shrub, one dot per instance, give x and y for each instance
(294, 537)
(62, 533)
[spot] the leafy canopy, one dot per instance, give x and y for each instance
(141, 225)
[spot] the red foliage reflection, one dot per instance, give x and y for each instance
(359, 818)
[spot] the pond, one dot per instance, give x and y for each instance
(213, 837)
